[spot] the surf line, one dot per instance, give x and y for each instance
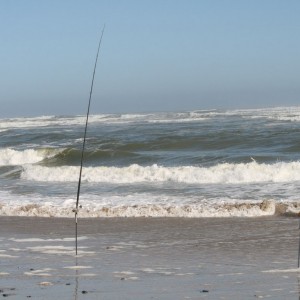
(76, 209)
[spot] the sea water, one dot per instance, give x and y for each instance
(177, 164)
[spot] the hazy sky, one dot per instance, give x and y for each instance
(156, 55)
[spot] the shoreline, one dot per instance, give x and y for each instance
(149, 258)
(234, 209)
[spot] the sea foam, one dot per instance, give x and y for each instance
(142, 205)
(95, 209)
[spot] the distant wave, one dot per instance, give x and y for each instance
(54, 121)
(222, 173)
(277, 113)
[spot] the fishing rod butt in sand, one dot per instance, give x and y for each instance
(299, 242)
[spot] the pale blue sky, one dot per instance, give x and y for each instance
(156, 55)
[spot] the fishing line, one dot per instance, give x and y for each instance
(84, 141)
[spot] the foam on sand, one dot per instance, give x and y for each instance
(46, 283)
(59, 249)
(78, 267)
(180, 251)
(39, 240)
(283, 271)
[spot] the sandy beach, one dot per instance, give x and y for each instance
(149, 258)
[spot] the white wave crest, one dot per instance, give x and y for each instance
(222, 173)
(11, 157)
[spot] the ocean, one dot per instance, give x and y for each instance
(203, 163)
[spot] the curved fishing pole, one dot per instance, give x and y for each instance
(84, 140)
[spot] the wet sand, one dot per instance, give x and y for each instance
(149, 258)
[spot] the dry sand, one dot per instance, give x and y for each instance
(149, 258)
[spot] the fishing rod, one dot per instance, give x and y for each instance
(84, 141)
(299, 245)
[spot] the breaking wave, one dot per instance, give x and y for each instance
(222, 173)
(11, 157)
